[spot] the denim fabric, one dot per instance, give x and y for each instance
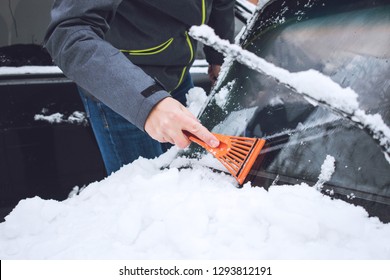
(120, 142)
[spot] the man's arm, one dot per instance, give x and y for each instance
(75, 40)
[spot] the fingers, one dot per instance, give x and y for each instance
(166, 139)
(202, 133)
(167, 121)
(213, 72)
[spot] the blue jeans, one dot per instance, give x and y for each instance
(120, 142)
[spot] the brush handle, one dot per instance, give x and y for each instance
(223, 147)
(195, 139)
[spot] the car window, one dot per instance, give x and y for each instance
(347, 41)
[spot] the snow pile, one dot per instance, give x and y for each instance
(149, 211)
(327, 170)
(5, 70)
(145, 212)
(196, 98)
(76, 118)
(221, 96)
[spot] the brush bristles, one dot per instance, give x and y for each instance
(240, 149)
(236, 153)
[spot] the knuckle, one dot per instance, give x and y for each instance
(173, 115)
(195, 127)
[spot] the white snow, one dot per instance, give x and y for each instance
(327, 170)
(221, 95)
(199, 66)
(53, 118)
(146, 211)
(196, 98)
(76, 118)
(29, 70)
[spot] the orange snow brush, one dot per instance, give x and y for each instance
(237, 154)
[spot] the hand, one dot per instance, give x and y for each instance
(169, 118)
(213, 72)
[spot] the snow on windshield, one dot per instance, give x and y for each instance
(311, 84)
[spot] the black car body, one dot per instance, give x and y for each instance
(348, 41)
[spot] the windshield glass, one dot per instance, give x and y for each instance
(347, 41)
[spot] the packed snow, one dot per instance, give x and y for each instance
(221, 95)
(145, 212)
(76, 117)
(156, 209)
(177, 208)
(29, 70)
(327, 170)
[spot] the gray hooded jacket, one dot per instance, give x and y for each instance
(130, 53)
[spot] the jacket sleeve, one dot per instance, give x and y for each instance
(222, 21)
(75, 40)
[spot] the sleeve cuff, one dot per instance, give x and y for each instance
(147, 106)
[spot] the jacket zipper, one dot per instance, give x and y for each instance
(191, 58)
(190, 44)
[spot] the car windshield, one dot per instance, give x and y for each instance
(347, 41)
